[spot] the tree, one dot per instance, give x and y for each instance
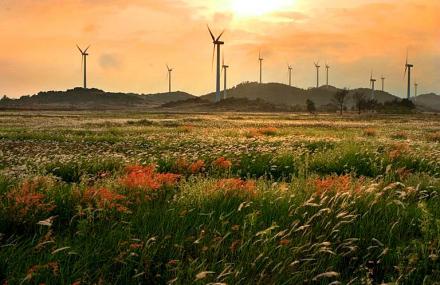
(371, 104)
(310, 106)
(339, 99)
(360, 101)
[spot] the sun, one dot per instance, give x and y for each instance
(252, 8)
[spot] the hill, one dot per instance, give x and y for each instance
(430, 102)
(256, 97)
(227, 105)
(85, 99)
(281, 94)
(277, 93)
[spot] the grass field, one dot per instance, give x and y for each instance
(132, 198)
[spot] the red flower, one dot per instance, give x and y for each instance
(222, 163)
(146, 177)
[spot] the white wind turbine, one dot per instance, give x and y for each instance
(217, 45)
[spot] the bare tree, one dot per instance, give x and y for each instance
(339, 99)
(360, 101)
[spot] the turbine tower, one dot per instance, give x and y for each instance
(317, 73)
(84, 55)
(225, 70)
(170, 70)
(383, 83)
(217, 45)
(416, 85)
(372, 82)
(289, 67)
(261, 67)
(327, 67)
(408, 67)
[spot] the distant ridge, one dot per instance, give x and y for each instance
(277, 93)
(85, 99)
(274, 96)
(429, 102)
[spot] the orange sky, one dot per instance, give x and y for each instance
(133, 40)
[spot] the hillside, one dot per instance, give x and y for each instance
(84, 99)
(281, 94)
(277, 93)
(430, 102)
(273, 96)
(231, 104)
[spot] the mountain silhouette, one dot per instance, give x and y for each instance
(85, 99)
(282, 94)
(249, 96)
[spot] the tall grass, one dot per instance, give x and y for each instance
(307, 231)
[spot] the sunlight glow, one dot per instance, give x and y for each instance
(252, 8)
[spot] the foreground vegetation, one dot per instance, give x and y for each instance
(89, 198)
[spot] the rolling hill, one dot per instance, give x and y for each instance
(282, 94)
(429, 102)
(250, 96)
(86, 99)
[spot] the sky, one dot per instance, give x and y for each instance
(133, 40)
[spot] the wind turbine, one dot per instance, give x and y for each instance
(372, 82)
(289, 67)
(408, 67)
(383, 83)
(327, 67)
(170, 70)
(317, 73)
(225, 70)
(217, 45)
(84, 55)
(261, 67)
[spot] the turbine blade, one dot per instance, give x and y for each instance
(210, 32)
(80, 50)
(220, 35)
(86, 49)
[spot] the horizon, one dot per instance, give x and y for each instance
(131, 44)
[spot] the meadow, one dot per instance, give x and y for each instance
(228, 198)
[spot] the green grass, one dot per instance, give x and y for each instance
(317, 202)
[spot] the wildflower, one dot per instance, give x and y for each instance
(236, 185)
(235, 245)
(197, 166)
(103, 198)
(25, 201)
(146, 177)
(337, 183)
(222, 163)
